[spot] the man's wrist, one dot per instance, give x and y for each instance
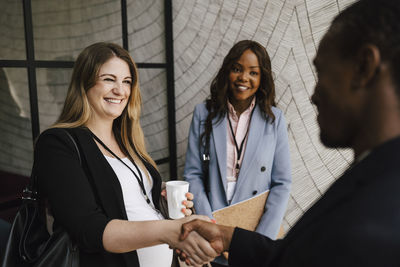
(227, 233)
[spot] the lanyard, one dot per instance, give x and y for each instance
(239, 150)
(138, 178)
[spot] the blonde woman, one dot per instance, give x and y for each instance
(108, 203)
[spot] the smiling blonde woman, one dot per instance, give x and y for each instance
(109, 204)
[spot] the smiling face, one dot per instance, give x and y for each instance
(244, 79)
(110, 95)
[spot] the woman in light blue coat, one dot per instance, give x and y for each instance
(238, 144)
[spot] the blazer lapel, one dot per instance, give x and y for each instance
(105, 182)
(257, 126)
(219, 138)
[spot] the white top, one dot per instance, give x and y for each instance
(137, 209)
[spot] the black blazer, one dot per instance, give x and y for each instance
(84, 198)
(355, 223)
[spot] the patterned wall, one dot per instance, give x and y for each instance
(204, 31)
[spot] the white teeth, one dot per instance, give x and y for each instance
(115, 101)
(242, 87)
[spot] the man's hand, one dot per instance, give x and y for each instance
(219, 236)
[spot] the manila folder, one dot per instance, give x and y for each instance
(245, 214)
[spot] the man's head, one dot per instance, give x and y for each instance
(360, 50)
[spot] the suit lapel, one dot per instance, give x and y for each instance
(105, 182)
(257, 126)
(219, 138)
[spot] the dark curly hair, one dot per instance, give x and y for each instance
(216, 104)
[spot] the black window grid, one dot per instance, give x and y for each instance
(31, 65)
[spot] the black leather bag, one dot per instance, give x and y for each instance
(30, 243)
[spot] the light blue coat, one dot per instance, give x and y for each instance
(266, 165)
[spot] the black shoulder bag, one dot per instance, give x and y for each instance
(29, 242)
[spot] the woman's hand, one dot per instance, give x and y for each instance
(194, 250)
(188, 203)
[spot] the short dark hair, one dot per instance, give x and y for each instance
(374, 22)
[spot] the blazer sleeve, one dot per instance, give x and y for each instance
(193, 172)
(281, 180)
(63, 181)
(251, 249)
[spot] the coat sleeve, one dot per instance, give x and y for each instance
(193, 172)
(63, 181)
(281, 180)
(251, 249)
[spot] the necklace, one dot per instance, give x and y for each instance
(239, 150)
(139, 177)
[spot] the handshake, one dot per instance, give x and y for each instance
(201, 240)
(196, 238)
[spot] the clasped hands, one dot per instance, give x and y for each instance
(201, 240)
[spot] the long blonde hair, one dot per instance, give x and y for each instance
(77, 111)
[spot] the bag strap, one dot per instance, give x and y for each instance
(30, 191)
(75, 145)
(35, 243)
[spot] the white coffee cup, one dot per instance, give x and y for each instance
(176, 193)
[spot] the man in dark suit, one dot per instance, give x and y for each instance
(357, 221)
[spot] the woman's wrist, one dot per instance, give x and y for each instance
(170, 232)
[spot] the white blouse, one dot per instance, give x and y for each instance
(137, 209)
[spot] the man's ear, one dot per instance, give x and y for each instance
(368, 61)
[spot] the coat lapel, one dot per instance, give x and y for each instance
(219, 138)
(103, 179)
